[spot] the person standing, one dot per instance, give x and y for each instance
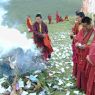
(41, 37)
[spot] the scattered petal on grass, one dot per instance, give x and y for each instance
(68, 93)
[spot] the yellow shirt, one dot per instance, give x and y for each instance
(40, 28)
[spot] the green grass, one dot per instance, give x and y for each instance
(19, 9)
(59, 34)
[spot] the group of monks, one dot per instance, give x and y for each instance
(40, 36)
(83, 47)
(58, 18)
(40, 33)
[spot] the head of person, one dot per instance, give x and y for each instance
(79, 16)
(39, 18)
(29, 16)
(87, 23)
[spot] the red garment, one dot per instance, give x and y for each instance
(75, 30)
(82, 62)
(61, 19)
(40, 40)
(29, 24)
(47, 44)
(57, 17)
(50, 19)
(91, 79)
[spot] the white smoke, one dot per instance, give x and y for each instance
(19, 52)
(4, 1)
(11, 38)
(2, 13)
(16, 50)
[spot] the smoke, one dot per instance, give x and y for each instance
(18, 52)
(4, 1)
(2, 13)
(12, 38)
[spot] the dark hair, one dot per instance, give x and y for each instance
(86, 20)
(39, 15)
(81, 14)
(76, 12)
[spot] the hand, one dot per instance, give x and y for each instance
(87, 57)
(44, 35)
(74, 36)
(80, 46)
(71, 35)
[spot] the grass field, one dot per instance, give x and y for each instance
(58, 77)
(19, 9)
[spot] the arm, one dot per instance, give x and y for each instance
(92, 54)
(88, 59)
(46, 29)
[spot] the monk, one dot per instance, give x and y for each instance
(84, 39)
(75, 31)
(57, 17)
(91, 79)
(50, 19)
(29, 24)
(66, 18)
(61, 19)
(41, 37)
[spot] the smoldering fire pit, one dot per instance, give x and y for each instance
(19, 62)
(18, 54)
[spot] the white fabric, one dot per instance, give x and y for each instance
(91, 6)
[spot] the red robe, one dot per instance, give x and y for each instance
(82, 54)
(40, 41)
(47, 43)
(29, 24)
(50, 19)
(91, 79)
(57, 17)
(61, 19)
(75, 30)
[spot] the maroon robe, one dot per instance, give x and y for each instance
(82, 62)
(57, 17)
(50, 19)
(39, 39)
(91, 79)
(29, 24)
(75, 30)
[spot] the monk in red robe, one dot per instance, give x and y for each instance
(91, 79)
(57, 17)
(61, 19)
(75, 31)
(41, 37)
(50, 19)
(84, 39)
(29, 24)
